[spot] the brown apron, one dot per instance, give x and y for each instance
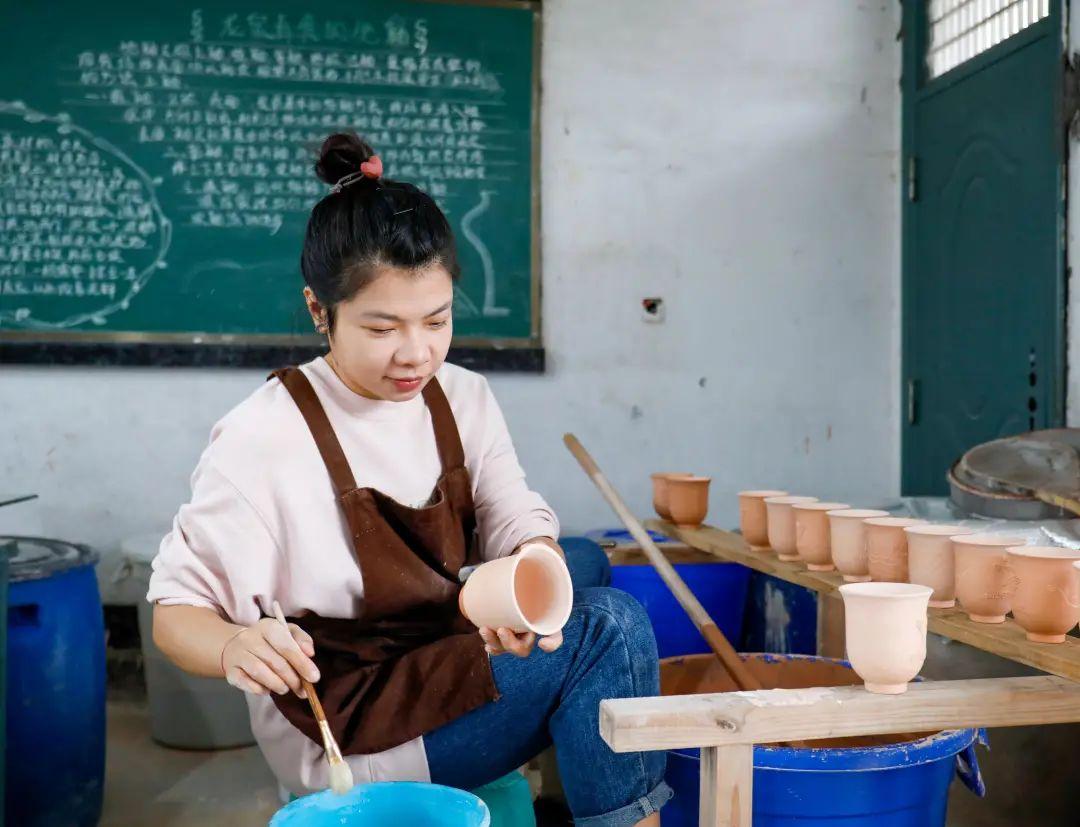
(411, 662)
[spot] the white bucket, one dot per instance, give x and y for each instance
(186, 711)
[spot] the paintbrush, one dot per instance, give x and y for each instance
(341, 777)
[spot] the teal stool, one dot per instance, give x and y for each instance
(509, 799)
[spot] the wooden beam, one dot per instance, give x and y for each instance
(676, 554)
(727, 786)
(1006, 639)
(766, 716)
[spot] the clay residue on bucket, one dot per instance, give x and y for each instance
(695, 674)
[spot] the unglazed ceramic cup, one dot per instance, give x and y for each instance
(886, 548)
(885, 624)
(985, 582)
(753, 520)
(781, 524)
(847, 538)
(931, 561)
(812, 534)
(529, 591)
(1047, 599)
(660, 493)
(688, 499)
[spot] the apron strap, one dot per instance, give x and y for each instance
(298, 386)
(447, 436)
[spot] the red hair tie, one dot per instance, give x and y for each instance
(372, 167)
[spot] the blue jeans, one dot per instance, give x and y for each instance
(608, 651)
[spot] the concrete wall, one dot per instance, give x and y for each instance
(739, 160)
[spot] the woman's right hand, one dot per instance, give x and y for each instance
(266, 658)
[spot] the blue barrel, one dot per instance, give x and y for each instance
(720, 587)
(903, 784)
(55, 686)
(386, 803)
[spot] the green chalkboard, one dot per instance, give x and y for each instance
(155, 159)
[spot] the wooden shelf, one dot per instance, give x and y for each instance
(1006, 639)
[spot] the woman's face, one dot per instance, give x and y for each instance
(391, 337)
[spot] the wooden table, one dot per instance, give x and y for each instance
(1006, 639)
(727, 725)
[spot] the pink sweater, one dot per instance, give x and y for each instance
(263, 524)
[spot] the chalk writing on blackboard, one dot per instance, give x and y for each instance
(80, 222)
(223, 121)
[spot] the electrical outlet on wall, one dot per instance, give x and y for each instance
(652, 309)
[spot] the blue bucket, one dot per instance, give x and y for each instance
(720, 587)
(385, 803)
(55, 694)
(902, 784)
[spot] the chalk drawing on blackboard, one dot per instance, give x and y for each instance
(490, 309)
(464, 307)
(85, 231)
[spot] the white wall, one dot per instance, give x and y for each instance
(739, 160)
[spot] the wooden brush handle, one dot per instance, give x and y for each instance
(313, 699)
(329, 744)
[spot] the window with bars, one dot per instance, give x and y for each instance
(962, 29)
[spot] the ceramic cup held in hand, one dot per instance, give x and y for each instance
(885, 625)
(526, 592)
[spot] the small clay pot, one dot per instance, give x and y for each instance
(985, 582)
(781, 524)
(886, 548)
(1047, 599)
(812, 534)
(688, 499)
(847, 539)
(660, 493)
(931, 562)
(753, 521)
(885, 625)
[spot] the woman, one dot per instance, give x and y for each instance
(352, 490)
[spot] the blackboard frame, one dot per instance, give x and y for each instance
(130, 348)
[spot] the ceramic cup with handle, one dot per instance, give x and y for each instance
(529, 591)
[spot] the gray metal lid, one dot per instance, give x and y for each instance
(35, 558)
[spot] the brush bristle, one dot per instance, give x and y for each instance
(341, 778)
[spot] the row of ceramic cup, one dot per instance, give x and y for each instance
(989, 574)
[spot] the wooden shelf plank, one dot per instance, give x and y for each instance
(733, 718)
(1006, 639)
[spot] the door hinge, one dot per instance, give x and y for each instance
(912, 178)
(912, 394)
(1070, 95)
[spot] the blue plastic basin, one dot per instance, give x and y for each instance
(381, 804)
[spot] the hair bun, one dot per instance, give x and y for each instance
(341, 154)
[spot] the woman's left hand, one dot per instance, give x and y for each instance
(501, 641)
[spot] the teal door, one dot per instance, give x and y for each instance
(983, 237)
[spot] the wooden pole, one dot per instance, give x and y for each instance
(742, 676)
